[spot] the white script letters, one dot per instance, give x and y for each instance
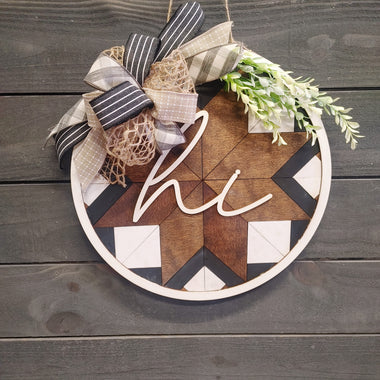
(218, 200)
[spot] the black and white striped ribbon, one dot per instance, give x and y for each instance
(182, 27)
(120, 104)
(140, 52)
(67, 138)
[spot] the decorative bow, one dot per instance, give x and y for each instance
(118, 75)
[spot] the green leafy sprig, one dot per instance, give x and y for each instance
(270, 93)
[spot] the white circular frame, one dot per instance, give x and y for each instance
(224, 293)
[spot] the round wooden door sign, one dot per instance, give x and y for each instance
(217, 216)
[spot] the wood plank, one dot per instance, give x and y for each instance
(365, 160)
(24, 128)
(350, 225)
(91, 299)
(38, 224)
(50, 48)
(217, 357)
(26, 119)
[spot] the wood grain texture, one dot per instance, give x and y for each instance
(91, 299)
(244, 192)
(256, 156)
(181, 235)
(121, 213)
(38, 223)
(24, 121)
(226, 113)
(50, 48)
(350, 225)
(365, 160)
(224, 357)
(225, 237)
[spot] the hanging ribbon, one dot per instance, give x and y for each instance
(120, 96)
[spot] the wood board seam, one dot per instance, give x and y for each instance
(185, 336)
(299, 261)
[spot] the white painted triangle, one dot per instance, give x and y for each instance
(95, 188)
(138, 246)
(255, 125)
(259, 249)
(309, 176)
(277, 233)
(197, 282)
(212, 281)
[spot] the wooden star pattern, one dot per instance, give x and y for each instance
(224, 147)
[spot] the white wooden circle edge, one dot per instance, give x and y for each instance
(216, 294)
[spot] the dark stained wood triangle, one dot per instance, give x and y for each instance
(227, 126)
(194, 160)
(225, 237)
(244, 192)
(121, 213)
(256, 157)
(181, 235)
(181, 173)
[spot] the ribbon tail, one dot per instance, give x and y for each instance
(92, 152)
(76, 114)
(90, 157)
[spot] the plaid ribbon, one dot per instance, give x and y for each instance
(106, 73)
(167, 135)
(213, 63)
(75, 115)
(212, 54)
(72, 128)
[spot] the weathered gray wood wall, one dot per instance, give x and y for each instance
(65, 314)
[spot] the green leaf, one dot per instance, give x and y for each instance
(266, 90)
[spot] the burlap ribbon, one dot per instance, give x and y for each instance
(120, 97)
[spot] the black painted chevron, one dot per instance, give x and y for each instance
(105, 200)
(284, 177)
(203, 258)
